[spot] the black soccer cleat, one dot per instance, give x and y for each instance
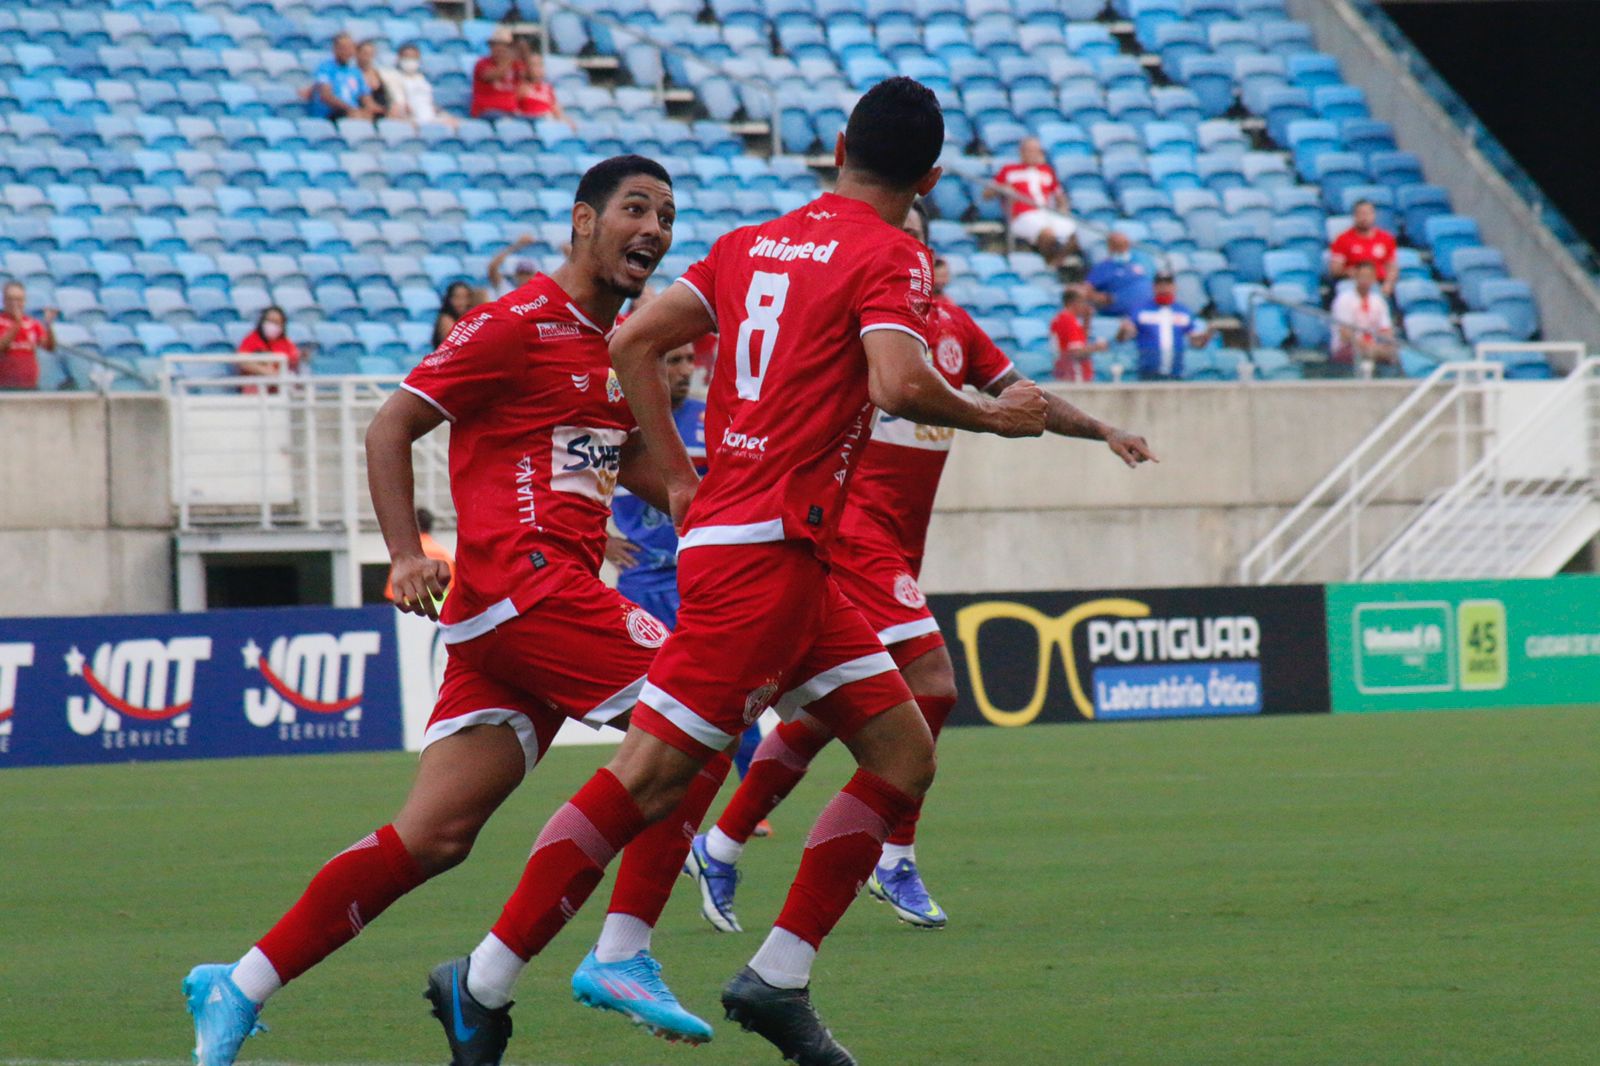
(477, 1035)
(785, 1018)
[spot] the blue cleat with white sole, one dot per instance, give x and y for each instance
(901, 887)
(634, 989)
(717, 881)
(224, 1017)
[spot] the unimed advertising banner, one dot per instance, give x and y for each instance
(221, 683)
(1461, 644)
(1146, 653)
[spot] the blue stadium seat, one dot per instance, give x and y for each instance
(1470, 266)
(1511, 299)
(1443, 234)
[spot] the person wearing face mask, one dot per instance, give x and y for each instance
(1121, 281)
(1159, 328)
(270, 337)
(21, 338)
(411, 93)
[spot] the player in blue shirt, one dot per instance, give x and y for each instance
(338, 88)
(1121, 281)
(646, 554)
(1160, 329)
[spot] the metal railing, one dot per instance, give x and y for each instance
(103, 373)
(281, 451)
(1446, 421)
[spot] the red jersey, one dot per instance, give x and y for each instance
(900, 469)
(1072, 343)
(537, 427)
(788, 410)
(494, 94)
(536, 100)
(1035, 184)
(19, 363)
(1376, 247)
(282, 346)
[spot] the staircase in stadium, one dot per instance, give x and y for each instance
(1508, 475)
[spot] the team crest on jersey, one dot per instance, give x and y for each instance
(645, 629)
(613, 387)
(145, 681)
(907, 592)
(759, 700)
(948, 353)
(315, 673)
(13, 657)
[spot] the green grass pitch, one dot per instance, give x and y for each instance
(1405, 888)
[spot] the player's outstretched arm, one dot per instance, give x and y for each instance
(417, 580)
(902, 383)
(671, 320)
(1066, 420)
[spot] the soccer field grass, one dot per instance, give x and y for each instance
(1404, 888)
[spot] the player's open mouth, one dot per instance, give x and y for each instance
(640, 262)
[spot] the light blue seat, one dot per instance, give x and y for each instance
(1471, 266)
(1443, 234)
(1512, 299)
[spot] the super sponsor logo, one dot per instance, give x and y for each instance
(905, 433)
(14, 657)
(138, 693)
(585, 461)
(312, 686)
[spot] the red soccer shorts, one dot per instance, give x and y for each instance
(581, 653)
(878, 577)
(760, 625)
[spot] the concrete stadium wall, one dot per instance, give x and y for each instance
(1569, 301)
(85, 512)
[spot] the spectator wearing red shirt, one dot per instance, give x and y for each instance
(1364, 242)
(1069, 336)
(496, 77)
(536, 97)
(269, 337)
(21, 337)
(1038, 203)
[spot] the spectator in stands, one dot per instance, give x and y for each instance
(1159, 329)
(21, 337)
(536, 97)
(1121, 281)
(522, 271)
(1038, 203)
(377, 88)
(431, 548)
(411, 93)
(1364, 242)
(1069, 336)
(270, 337)
(497, 76)
(457, 302)
(338, 88)
(1363, 329)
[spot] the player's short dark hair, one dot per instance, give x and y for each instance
(602, 179)
(895, 132)
(1358, 203)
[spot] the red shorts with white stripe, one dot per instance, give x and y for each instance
(878, 577)
(760, 625)
(580, 653)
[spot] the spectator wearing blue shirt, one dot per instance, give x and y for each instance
(1121, 281)
(1160, 329)
(339, 86)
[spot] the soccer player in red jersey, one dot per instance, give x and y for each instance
(876, 561)
(821, 314)
(540, 435)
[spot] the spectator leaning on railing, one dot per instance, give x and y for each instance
(270, 337)
(21, 337)
(1364, 242)
(1160, 329)
(1069, 336)
(1363, 329)
(1038, 203)
(338, 87)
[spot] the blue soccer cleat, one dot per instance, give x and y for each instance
(901, 887)
(717, 881)
(224, 1017)
(477, 1035)
(634, 989)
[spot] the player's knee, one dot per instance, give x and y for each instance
(443, 847)
(657, 799)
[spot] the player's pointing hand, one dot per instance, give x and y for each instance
(1020, 410)
(1130, 447)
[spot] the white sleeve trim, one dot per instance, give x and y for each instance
(435, 404)
(895, 325)
(987, 385)
(686, 283)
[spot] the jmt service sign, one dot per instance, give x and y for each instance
(1461, 644)
(222, 683)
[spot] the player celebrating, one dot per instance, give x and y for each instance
(820, 314)
(539, 436)
(876, 561)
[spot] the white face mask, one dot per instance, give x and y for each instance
(271, 330)
(410, 64)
